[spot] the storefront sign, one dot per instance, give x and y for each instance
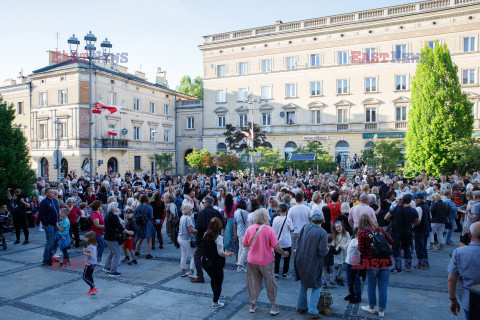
(384, 135)
(313, 138)
(476, 133)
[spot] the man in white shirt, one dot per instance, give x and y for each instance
(300, 215)
(357, 211)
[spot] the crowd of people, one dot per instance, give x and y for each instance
(337, 230)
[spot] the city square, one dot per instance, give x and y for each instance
(211, 160)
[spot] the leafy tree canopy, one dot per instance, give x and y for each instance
(269, 160)
(191, 87)
(323, 160)
(164, 161)
(236, 139)
(385, 155)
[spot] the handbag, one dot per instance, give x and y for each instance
(193, 241)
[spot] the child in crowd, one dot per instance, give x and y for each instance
(352, 269)
(129, 225)
(63, 235)
(91, 253)
(328, 274)
(341, 238)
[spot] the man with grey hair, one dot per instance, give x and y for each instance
(357, 211)
(203, 220)
(465, 263)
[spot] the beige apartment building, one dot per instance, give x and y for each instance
(343, 81)
(144, 122)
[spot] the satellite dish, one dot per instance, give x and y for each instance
(282, 114)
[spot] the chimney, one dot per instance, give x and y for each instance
(140, 74)
(122, 69)
(278, 22)
(161, 77)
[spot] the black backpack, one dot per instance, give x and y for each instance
(380, 247)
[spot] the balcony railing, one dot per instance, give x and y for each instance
(342, 127)
(400, 125)
(370, 126)
(114, 144)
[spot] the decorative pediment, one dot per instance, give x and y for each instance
(221, 110)
(472, 95)
(371, 101)
(290, 106)
(343, 103)
(242, 109)
(316, 104)
(266, 106)
(402, 99)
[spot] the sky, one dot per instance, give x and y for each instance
(153, 33)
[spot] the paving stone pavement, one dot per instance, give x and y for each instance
(153, 289)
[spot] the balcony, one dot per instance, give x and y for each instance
(114, 144)
(342, 127)
(370, 126)
(401, 125)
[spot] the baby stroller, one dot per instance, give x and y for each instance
(5, 226)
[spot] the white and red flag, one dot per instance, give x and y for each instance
(99, 106)
(112, 133)
(249, 135)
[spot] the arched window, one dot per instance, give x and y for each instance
(112, 165)
(267, 144)
(290, 147)
(185, 162)
(342, 152)
(64, 167)
(368, 145)
(44, 167)
(222, 147)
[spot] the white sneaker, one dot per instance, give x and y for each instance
(192, 276)
(216, 305)
(41, 229)
(381, 314)
(56, 256)
(368, 309)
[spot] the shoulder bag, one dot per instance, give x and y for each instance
(255, 236)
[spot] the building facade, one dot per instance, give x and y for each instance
(144, 122)
(343, 81)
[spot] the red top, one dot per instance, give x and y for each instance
(365, 247)
(334, 210)
(74, 214)
(341, 182)
(96, 215)
(90, 199)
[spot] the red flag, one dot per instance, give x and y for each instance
(111, 133)
(98, 105)
(96, 111)
(246, 134)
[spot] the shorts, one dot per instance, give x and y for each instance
(128, 244)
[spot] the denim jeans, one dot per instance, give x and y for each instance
(100, 248)
(353, 280)
(421, 240)
(467, 314)
(407, 254)
(50, 235)
(450, 231)
(113, 259)
(302, 299)
(377, 277)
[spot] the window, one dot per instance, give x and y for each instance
(166, 110)
(243, 120)
(342, 115)
(342, 57)
(42, 99)
(431, 44)
(266, 65)
(221, 96)
(469, 44)
(221, 121)
(153, 134)
(138, 162)
(136, 133)
(290, 117)
(400, 51)
(242, 68)
(266, 92)
(316, 88)
(62, 130)
(19, 107)
(242, 94)
(315, 116)
(370, 84)
(42, 131)
(112, 128)
(468, 76)
(136, 104)
(342, 86)
(190, 123)
(400, 83)
(369, 54)
(166, 135)
(371, 115)
(266, 118)
(153, 107)
(113, 98)
(290, 90)
(62, 96)
(314, 60)
(291, 63)
(221, 72)
(401, 113)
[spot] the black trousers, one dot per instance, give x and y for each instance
(21, 223)
(158, 230)
(88, 275)
(174, 232)
(197, 258)
(286, 261)
(75, 230)
(216, 276)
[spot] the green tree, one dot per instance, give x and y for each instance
(440, 113)
(228, 162)
(323, 160)
(164, 161)
(385, 154)
(200, 161)
(193, 88)
(466, 155)
(268, 160)
(15, 168)
(235, 137)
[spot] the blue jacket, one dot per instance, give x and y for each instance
(48, 211)
(453, 208)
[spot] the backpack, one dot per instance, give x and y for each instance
(140, 218)
(380, 247)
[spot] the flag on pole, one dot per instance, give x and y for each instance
(111, 133)
(98, 105)
(248, 135)
(96, 111)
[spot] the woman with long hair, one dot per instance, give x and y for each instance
(213, 260)
(228, 214)
(158, 208)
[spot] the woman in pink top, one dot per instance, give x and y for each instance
(260, 259)
(228, 214)
(98, 226)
